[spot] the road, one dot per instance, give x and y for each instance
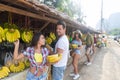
(105, 65)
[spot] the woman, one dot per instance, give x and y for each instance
(76, 54)
(36, 54)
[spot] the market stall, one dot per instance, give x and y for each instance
(20, 19)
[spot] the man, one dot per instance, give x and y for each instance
(89, 45)
(61, 47)
(95, 43)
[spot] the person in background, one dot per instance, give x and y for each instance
(89, 44)
(99, 41)
(104, 41)
(37, 55)
(76, 52)
(72, 36)
(95, 39)
(61, 47)
(95, 43)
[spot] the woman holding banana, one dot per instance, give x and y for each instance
(37, 55)
(75, 53)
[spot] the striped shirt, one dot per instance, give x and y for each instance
(30, 54)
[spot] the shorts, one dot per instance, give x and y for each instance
(31, 76)
(88, 49)
(58, 73)
(77, 51)
(88, 46)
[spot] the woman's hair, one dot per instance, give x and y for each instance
(79, 35)
(35, 39)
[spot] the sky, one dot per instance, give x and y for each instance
(92, 10)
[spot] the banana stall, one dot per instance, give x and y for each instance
(20, 19)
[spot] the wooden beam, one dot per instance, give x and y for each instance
(30, 14)
(45, 25)
(17, 2)
(25, 4)
(25, 13)
(29, 4)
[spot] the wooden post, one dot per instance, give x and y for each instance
(45, 25)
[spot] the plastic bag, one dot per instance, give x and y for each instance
(8, 59)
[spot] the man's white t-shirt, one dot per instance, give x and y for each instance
(63, 44)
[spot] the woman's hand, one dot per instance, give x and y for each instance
(79, 47)
(16, 43)
(48, 64)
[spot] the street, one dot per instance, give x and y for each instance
(105, 64)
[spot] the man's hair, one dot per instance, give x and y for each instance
(60, 22)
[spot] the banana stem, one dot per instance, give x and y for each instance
(10, 17)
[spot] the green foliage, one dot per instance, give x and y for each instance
(115, 31)
(63, 6)
(70, 7)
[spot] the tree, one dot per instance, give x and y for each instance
(115, 31)
(70, 7)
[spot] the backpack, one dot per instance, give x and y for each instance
(89, 40)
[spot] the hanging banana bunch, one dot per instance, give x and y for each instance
(48, 40)
(1, 34)
(4, 34)
(27, 36)
(11, 32)
(52, 35)
(12, 35)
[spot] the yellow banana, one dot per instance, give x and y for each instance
(12, 35)
(17, 67)
(1, 33)
(4, 71)
(52, 35)
(6, 68)
(27, 36)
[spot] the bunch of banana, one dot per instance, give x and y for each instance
(74, 46)
(27, 63)
(27, 36)
(54, 58)
(4, 34)
(12, 35)
(48, 40)
(52, 35)
(1, 34)
(4, 72)
(17, 67)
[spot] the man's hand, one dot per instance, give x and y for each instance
(48, 47)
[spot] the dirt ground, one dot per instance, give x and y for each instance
(105, 64)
